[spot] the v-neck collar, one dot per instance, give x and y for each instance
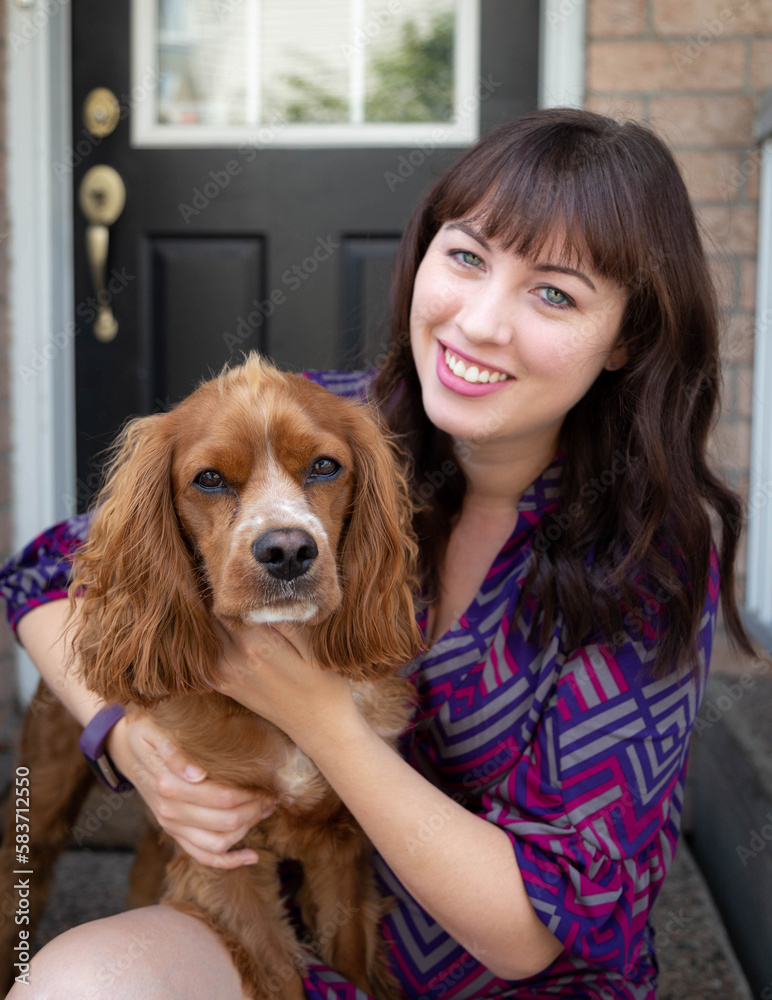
(537, 500)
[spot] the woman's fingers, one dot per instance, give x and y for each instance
(206, 818)
(175, 760)
(208, 833)
(175, 808)
(213, 859)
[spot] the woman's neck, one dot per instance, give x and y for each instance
(497, 475)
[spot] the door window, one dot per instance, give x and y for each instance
(305, 72)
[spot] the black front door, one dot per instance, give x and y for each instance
(274, 241)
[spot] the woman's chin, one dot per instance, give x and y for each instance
(455, 416)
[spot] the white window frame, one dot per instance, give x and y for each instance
(463, 129)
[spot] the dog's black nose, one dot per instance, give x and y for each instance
(285, 552)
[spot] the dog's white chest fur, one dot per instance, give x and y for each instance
(298, 778)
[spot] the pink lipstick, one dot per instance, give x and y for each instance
(483, 380)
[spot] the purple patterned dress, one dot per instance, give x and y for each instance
(576, 753)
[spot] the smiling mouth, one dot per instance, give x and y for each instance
(471, 372)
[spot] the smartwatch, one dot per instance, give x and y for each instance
(92, 743)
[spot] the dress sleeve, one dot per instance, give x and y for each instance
(41, 571)
(350, 384)
(593, 805)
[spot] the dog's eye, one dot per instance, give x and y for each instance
(210, 479)
(324, 468)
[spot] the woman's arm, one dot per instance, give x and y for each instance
(205, 818)
(464, 873)
(459, 867)
(42, 633)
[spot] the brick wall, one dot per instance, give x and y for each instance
(7, 673)
(694, 69)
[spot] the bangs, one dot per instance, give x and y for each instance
(558, 192)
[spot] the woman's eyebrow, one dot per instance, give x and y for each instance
(542, 266)
(464, 227)
(563, 269)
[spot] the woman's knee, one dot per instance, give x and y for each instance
(152, 953)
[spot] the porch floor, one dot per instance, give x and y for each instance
(696, 958)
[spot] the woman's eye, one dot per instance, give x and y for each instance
(555, 297)
(468, 258)
(210, 479)
(324, 468)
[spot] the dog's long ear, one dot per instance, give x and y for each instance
(142, 631)
(374, 631)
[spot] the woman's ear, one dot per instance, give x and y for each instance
(618, 357)
(375, 630)
(142, 630)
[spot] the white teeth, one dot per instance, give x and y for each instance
(473, 373)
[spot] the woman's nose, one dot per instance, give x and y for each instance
(487, 315)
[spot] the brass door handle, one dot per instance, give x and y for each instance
(102, 196)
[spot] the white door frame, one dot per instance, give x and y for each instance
(41, 355)
(42, 334)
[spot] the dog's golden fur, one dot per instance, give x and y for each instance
(172, 547)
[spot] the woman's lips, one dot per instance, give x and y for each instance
(465, 377)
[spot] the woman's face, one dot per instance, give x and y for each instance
(503, 347)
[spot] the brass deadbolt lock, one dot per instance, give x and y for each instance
(101, 112)
(102, 195)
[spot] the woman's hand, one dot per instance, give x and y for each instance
(272, 671)
(205, 818)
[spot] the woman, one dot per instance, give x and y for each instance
(555, 393)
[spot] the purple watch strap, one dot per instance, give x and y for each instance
(92, 743)
(92, 739)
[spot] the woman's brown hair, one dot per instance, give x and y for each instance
(635, 555)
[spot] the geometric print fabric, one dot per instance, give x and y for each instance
(578, 755)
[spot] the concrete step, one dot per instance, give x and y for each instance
(731, 805)
(697, 960)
